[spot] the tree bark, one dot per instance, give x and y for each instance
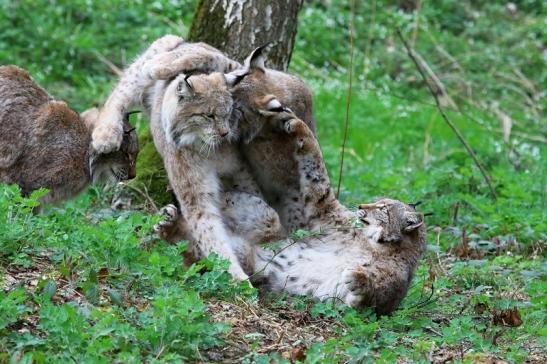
(236, 27)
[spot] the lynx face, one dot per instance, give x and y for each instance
(116, 166)
(197, 111)
(389, 221)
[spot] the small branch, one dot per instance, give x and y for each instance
(368, 46)
(113, 68)
(348, 101)
(143, 194)
(416, 22)
(435, 93)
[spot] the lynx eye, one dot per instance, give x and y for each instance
(274, 105)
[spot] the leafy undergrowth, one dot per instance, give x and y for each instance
(83, 283)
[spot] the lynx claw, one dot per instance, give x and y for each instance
(170, 215)
(361, 214)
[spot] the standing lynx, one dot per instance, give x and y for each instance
(191, 123)
(44, 143)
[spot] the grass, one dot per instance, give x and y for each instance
(83, 283)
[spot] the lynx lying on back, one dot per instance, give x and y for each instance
(46, 144)
(371, 266)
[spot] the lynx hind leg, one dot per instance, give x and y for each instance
(359, 284)
(108, 132)
(251, 217)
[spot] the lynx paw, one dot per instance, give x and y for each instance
(238, 274)
(170, 214)
(166, 43)
(358, 284)
(108, 133)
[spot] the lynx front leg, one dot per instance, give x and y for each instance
(198, 193)
(321, 206)
(198, 60)
(108, 132)
(173, 227)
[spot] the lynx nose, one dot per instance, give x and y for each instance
(223, 132)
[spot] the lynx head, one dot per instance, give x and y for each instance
(262, 92)
(391, 221)
(116, 166)
(198, 110)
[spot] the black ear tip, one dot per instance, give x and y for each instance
(262, 49)
(415, 204)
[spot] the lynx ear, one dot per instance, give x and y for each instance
(257, 58)
(233, 78)
(184, 87)
(412, 221)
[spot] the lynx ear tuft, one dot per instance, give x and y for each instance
(233, 78)
(185, 88)
(412, 221)
(257, 58)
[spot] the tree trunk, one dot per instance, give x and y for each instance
(236, 27)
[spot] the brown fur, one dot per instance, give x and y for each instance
(264, 144)
(43, 142)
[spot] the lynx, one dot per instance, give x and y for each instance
(165, 58)
(193, 119)
(260, 89)
(44, 143)
(192, 123)
(264, 144)
(370, 266)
